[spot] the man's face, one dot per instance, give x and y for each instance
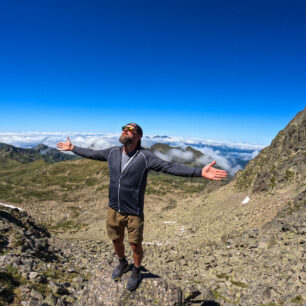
(129, 135)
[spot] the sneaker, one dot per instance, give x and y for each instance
(120, 269)
(134, 280)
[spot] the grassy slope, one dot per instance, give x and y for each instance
(41, 181)
(67, 195)
(71, 198)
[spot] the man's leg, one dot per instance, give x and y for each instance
(137, 254)
(123, 264)
(135, 231)
(119, 247)
(115, 225)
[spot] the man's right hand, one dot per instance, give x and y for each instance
(65, 146)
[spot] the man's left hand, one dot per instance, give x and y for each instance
(212, 173)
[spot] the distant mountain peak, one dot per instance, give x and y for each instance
(165, 136)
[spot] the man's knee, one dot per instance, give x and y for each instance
(119, 240)
(137, 247)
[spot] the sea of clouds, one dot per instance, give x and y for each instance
(228, 155)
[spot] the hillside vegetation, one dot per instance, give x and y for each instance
(66, 195)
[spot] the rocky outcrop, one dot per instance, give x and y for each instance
(36, 269)
(280, 164)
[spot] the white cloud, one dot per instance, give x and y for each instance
(175, 154)
(182, 155)
(234, 169)
(51, 138)
(244, 155)
(198, 142)
(162, 156)
(95, 142)
(31, 139)
(225, 153)
(222, 161)
(211, 155)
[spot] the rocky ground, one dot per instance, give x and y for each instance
(256, 266)
(153, 289)
(37, 269)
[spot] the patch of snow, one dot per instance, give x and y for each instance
(182, 228)
(10, 206)
(150, 243)
(246, 200)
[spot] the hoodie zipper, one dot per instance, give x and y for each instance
(120, 178)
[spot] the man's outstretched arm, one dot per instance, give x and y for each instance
(208, 171)
(88, 153)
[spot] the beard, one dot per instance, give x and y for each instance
(126, 140)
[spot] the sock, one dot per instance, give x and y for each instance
(123, 259)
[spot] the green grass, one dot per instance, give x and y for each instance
(160, 183)
(218, 296)
(68, 226)
(298, 300)
(40, 181)
(60, 275)
(75, 211)
(43, 289)
(272, 242)
(289, 175)
(239, 284)
(10, 279)
(171, 205)
(222, 275)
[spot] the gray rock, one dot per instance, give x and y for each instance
(2, 260)
(50, 300)
(60, 302)
(36, 295)
(153, 290)
(33, 275)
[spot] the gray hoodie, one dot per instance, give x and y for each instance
(127, 187)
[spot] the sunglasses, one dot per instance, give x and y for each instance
(129, 128)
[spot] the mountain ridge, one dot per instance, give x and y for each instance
(26, 155)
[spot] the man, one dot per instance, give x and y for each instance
(128, 169)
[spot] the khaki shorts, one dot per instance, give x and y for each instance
(116, 224)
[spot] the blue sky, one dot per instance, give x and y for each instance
(223, 70)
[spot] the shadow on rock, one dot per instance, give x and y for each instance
(147, 274)
(152, 290)
(203, 298)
